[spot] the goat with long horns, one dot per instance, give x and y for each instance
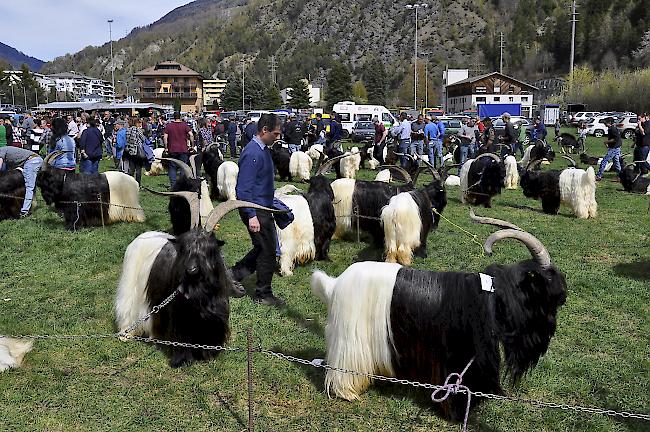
(157, 264)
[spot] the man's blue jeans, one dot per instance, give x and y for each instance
(404, 147)
(417, 147)
(173, 167)
(30, 171)
(614, 153)
(435, 146)
(86, 166)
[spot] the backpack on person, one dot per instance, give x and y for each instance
(134, 144)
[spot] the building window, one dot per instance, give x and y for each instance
(480, 89)
(480, 99)
(524, 99)
(511, 89)
(511, 99)
(497, 99)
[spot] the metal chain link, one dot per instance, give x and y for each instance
(154, 310)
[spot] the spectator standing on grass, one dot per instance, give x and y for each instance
(250, 130)
(63, 142)
(417, 136)
(204, 135)
(642, 144)
(441, 129)
(335, 134)
(255, 183)
(557, 127)
(403, 133)
(539, 131)
(90, 145)
(9, 131)
(232, 137)
(3, 134)
(582, 134)
(509, 138)
(120, 143)
(487, 137)
(178, 140)
(294, 133)
(433, 146)
(30, 162)
(467, 141)
(320, 129)
(380, 130)
(613, 143)
(521, 139)
(133, 157)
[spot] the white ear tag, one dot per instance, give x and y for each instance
(486, 282)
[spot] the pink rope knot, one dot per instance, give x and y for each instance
(450, 388)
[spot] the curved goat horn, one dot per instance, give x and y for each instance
(570, 159)
(535, 247)
(491, 221)
(225, 207)
(52, 156)
(405, 155)
(193, 164)
(192, 199)
(496, 158)
(405, 175)
(182, 165)
(434, 172)
(532, 164)
(329, 163)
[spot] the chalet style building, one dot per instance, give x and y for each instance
(492, 88)
(169, 81)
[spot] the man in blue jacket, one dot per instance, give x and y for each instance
(255, 184)
(232, 137)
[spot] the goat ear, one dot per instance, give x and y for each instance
(221, 243)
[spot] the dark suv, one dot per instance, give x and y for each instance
(363, 131)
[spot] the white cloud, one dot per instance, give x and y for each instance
(46, 29)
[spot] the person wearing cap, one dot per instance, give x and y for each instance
(431, 140)
(487, 137)
(30, 162)
(613, 143)
(509, 138)
(417, 136)
(294, 133)
(539, 131)
(120, 142)
(403, 132)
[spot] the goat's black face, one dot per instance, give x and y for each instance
(319, 184)
(529, 182)
(197, 266)
(493, 177)
(50, 181)
(527, 302)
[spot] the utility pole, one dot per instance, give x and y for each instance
(110, 36)
(273, 70)
(501, 45)
(573, 40)
(416, 6)
(426, 78)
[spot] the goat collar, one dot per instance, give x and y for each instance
(486, 282)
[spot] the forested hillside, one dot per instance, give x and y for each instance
(306, 37)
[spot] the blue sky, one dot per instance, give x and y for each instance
(46, 29)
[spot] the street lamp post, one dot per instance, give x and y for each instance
(416, 6)
(426, 78)
(110, 35)
(243, 100)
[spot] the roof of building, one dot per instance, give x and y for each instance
(480, 77)
(90, 106)
(168, 68)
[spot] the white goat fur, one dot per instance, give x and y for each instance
(12, 352)
(125, 193)
(383, 176)
(512, 175)
(205, 204)
(371, 163)
(343, 189)
(358, 304)
(227, 180)
(356, 156)
(131, 299)
(526, 159)
(402, 226)
(578, 191)
(315, 151)
(349, 165)
(300, 166)
(296, 240)
(156, 166)
(452, 180)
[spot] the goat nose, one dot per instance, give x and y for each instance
(192, 270)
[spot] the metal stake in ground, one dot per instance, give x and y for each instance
(249, 338)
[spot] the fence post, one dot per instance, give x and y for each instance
(249, 352)
(101, 208)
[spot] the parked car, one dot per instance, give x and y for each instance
(627, 125)
(452, 126)
(596, 126)
(583, 116)
(363, 131)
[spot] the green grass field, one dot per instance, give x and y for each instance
(57, 282)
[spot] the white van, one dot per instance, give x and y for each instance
(350, 113)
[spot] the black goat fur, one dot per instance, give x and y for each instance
(211, 161)
(61, 188)
(440, 321)
(543, 185)
(12, 183)
(542, 151)
(199, 314)
(320, 197)
(485, 180)
(433, 195)
(179, 208)
(633, 181)
(281, 158)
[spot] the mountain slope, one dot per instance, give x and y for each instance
(16, 58)
(212, 36)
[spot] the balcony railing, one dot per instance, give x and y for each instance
(172, 95)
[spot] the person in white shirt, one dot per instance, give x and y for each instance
(73, 129)
(403, 133)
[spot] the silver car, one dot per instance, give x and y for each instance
(627, 125)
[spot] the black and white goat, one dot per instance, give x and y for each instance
(481, 179)
(12, 184)
(12, 352)
(157, 264)
(422, 325)
(212, 158)
(370, 197)
(633, 181)
(408, 219)
(157, 167)
(538, 151)
(300, 164)
(120, 193)
(281, 159)
(573, 187)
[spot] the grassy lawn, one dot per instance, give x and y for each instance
(57, 282)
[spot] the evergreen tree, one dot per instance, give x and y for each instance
(272, 98)
(376, 82)
(339, 84)
(231, 96)
(299, 94)
(177, 104)
(359, 93)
